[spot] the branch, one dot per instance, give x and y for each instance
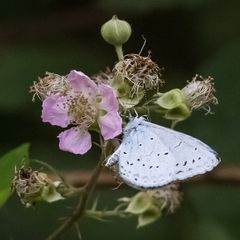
(84, 197)
(220, 175)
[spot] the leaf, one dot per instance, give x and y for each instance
(139, 203)
(150, 215)
(16, 157)
(170, 99)
(50, 194)
(128, 102)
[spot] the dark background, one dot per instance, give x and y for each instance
(186, 37)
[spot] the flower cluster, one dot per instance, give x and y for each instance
(80, 105)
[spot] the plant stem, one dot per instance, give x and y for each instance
(119, 52)
(83, 201)
(110, 213)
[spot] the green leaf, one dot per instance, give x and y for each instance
(14, 158)
(50, 194)
(139, 203)
(128, 102)
(150, 215)
(179, 113)
(170, 99)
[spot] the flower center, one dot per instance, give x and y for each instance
(81, 112)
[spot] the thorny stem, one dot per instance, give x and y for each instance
(84, 198)
(119, 52)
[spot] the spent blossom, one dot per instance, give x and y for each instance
(51, 84)
(199, 93)
(85, 105)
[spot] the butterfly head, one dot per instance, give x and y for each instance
(133, 123)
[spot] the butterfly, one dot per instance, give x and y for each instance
(151, 156)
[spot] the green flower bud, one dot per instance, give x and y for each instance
(115, 31)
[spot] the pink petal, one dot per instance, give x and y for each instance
(110, 125)
(75, 140)
(55, 111)
(109, 101)
(82, 83)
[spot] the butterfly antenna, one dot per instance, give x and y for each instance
(143, 46)
(118, 186)
(148, 110)
(136, 113)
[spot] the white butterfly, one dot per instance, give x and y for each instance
(151, 156)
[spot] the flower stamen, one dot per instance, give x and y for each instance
(81, 111)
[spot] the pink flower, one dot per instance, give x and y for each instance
(84, 105)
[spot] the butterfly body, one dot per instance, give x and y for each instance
(151, 156)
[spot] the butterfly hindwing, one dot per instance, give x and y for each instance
(151, 156)
(192, 157)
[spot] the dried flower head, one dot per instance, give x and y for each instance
(51, 84)
(140, 71)
(168, 197)
(32, 186)
(199, 93)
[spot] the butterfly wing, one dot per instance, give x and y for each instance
(191, 156)
(144, 161)
(151, 156)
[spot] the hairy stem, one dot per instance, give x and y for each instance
(84, 198)
(107, 214)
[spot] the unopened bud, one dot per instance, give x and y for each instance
(115, 31)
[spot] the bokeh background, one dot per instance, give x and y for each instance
(185, 37)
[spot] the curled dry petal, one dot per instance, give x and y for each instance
(55, 111)
(75, 140)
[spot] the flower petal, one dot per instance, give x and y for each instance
(82, 83)
(110, 125)
(109, 101)
(55, 111)
(75, 140)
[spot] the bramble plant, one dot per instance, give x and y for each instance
(80, 105)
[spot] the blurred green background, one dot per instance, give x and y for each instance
(185, 37)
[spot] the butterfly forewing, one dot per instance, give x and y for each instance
(144, 161)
